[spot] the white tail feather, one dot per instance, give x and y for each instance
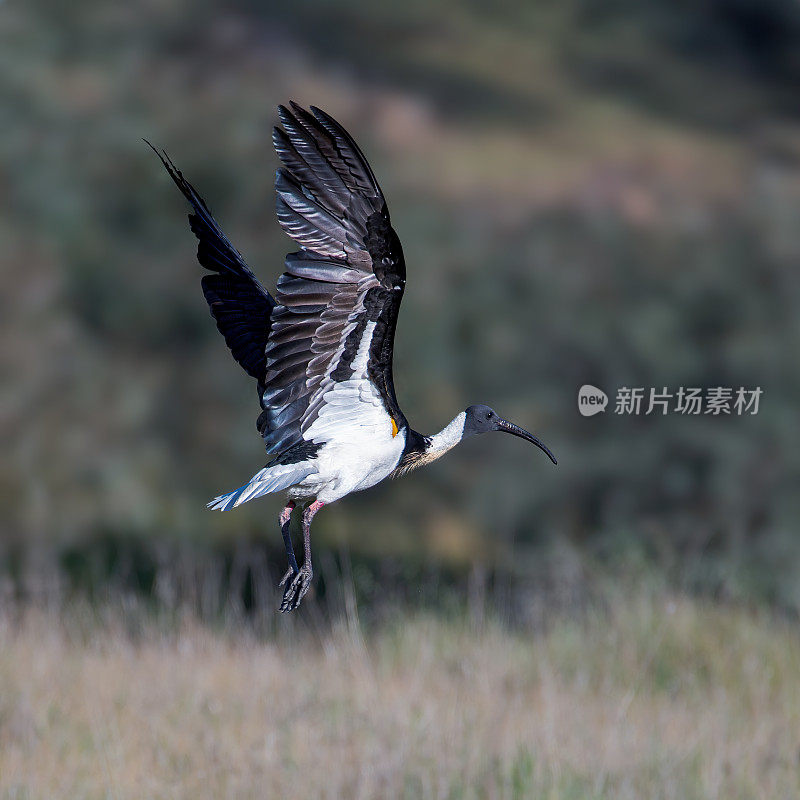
(267, 480)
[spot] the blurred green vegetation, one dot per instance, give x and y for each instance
(586, 192)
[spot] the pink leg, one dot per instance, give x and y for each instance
(286, 513)
(296, 590)
(308, 515)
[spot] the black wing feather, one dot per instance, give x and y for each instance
(350, 271)
(240, 305)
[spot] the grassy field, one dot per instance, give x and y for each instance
(654, 697)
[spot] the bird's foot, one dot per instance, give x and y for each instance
(297, 584)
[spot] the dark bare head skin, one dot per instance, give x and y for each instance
(482, 419)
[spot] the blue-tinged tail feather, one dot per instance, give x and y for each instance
(268, 480)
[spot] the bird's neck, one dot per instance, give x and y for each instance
(447, 438)
(421, 450)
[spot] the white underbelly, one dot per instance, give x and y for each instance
(352, 465)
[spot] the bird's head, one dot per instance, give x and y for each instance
(482, 419)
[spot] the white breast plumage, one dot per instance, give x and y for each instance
(359, 442)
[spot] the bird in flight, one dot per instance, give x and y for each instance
(320, 348)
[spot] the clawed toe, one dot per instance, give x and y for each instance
(296, 589)
(289, 574)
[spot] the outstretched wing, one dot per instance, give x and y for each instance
(329, 350)
(240, 305)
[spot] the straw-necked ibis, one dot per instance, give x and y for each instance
(321, 347)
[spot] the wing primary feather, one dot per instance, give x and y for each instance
(350, 152)
(240, 305)
(320, 178)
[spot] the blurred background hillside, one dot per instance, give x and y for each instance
(586, 192)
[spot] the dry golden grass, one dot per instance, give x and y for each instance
(652, 698)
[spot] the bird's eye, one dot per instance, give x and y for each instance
(489, 415)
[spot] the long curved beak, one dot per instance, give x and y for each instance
(515, 430)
